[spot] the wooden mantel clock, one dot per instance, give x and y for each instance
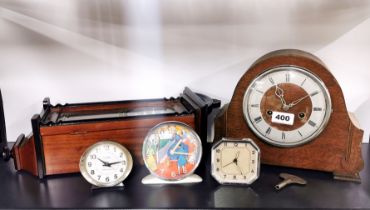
(294, 109)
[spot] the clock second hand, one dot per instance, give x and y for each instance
(236, 162)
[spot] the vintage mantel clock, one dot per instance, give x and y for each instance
(235, 161)
(294, 107)
(61, 133)
(171, 152)
(106, 164)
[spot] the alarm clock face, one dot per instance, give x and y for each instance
(287, 106)
(106, 164)
(172, 151)
(235, 161)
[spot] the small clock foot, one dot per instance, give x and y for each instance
(355, 177)
(150, 179)
(116, 187)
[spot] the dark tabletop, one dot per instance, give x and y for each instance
(22, 190)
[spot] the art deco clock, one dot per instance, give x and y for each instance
(106, 164)
(171, 152)
(291, 103)
(235, 161)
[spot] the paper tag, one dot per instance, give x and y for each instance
(282, 118)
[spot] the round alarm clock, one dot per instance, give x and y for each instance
(287, 106)
(172, 151)
(235, 161)
(106, 164)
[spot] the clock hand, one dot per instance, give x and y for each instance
(239, 168)
(228, 164)
(237, 155)
(279, 92)
(180, 153)
(297, 101)
(113, 163)
(104, 162)
(173, 150)
(235, 160)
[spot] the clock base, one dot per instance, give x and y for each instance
(115, 187)
(347, 177)
(150, 179)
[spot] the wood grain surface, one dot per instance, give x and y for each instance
(337, 149)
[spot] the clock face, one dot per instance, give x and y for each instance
(235, 161)
(287, 106)
(172, 151)
(106, 164)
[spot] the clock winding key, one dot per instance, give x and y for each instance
(289, 179)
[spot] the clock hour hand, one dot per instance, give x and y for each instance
(104, 162)
(279, 92)
(177, 145)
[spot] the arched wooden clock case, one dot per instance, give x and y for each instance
(336, 149)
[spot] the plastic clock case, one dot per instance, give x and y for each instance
(172, 151)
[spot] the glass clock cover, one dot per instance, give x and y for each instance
(235, 161)
(287, 106)
(106, 164)
(172, 151)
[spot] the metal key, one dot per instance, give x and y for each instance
(289, 179)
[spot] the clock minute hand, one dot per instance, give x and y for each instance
(113, 163)
(297, 101)
(235, 160)
(228, 164)
(180, 153)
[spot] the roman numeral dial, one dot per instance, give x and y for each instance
(286, 106)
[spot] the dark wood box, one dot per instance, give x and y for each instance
(61, 133)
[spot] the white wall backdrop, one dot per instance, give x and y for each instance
(89, 50)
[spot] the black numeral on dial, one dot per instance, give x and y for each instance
(268, 131)
(258, 119)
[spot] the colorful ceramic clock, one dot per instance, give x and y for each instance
(172, 151)
(106, 164)
(235, 161)
(287, 106)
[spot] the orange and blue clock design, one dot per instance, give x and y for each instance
(172, 150)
